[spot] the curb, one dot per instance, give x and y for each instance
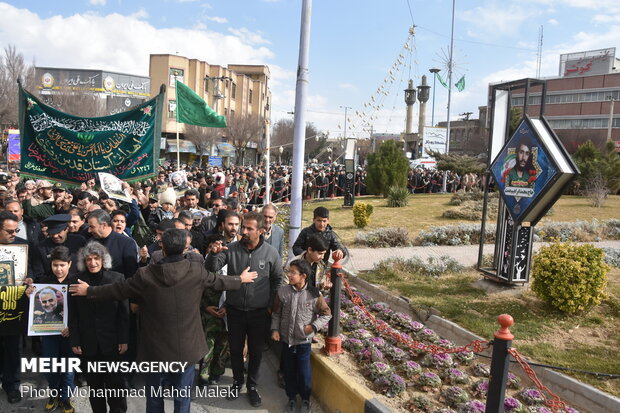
(578, 394)
(336, 393)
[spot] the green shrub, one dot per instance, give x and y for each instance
(384, 237)
(570, 277)
(398, 196)
(387, 166)
(361, 214)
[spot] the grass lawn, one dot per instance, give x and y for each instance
(587, 342)
(424, 211)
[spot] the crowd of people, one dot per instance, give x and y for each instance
(430, 181)
(197, 277)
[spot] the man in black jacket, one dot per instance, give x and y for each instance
(29, 229)
(246, 308)
(123, 250)
(58, 235)
(320, 225)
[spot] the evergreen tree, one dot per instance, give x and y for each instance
(387, 167)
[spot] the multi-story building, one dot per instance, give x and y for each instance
(236, 90)
(113, 92)
(580, 100)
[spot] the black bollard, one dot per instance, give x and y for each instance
(333, 343)
(499, 365)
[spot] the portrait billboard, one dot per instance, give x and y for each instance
(531, 170)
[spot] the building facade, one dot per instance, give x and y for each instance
(236, 90)
(582, 100)
(112, 92)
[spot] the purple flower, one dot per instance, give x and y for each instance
(454, 395)
(428, 379)
(531, 396)
(416, 326)
(473, 406)
(480, 389)
(511, 404)
(377, 342)
(379, 306)
(411, 368)
(354, 345)
(513, 381)
(396, 386)
(446, 343)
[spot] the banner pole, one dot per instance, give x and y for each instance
(177, 118)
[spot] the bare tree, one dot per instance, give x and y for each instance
(203, 137)
(241, 131)
(282, 135)
(13, 67)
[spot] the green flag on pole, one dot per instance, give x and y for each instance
(460, 85)
(193, 110)
(443, 82)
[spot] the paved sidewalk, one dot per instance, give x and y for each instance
(364, 259)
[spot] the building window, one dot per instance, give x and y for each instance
(232, 113)
(592, 123)
(176, 73)
(250, 97)
(234, 90)
(225, 111)
(207, 85)
(172, 109)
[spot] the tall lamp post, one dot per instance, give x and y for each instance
(434, 71)
(345, 118)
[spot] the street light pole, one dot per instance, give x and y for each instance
(434, 71)
(300, 122)
(345, 118)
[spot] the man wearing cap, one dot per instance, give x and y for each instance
(58, 235)
(62, 199)
(58, 201)
(43, 193)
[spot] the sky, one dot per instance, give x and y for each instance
(361, 52)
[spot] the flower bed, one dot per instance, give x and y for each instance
(403, 360)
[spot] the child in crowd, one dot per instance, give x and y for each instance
(299, 311)
(59, 346)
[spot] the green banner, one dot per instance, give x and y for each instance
(72, 149)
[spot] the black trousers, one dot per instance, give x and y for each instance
(10, 354)
(105, 381)
(253, 325)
